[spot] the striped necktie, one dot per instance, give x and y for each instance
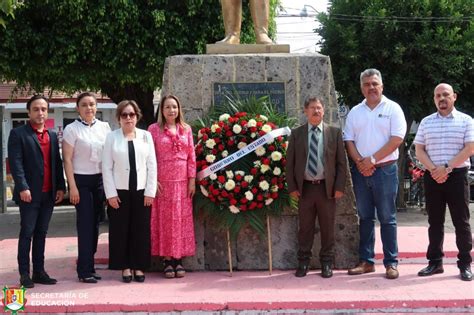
(313, 152)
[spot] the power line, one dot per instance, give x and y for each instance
(398, 19)
(403, 17)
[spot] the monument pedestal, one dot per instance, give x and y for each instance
(191, 78)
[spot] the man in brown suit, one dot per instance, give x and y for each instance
(316, 174)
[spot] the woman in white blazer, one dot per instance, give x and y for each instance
(129, 174)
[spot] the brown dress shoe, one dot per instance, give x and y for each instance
(391, 272)
(362, 267)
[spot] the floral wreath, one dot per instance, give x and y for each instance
(250, 188)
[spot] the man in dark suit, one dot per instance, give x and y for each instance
(316, 174)
(37, 170)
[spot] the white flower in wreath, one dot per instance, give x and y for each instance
(210, 143)
(213, 176)
(253, 135)
(210, 158)
(252, 123)
(229, 174)
(234, 209)
(224, 117)
(263, 117)
(266, 128)
(263, 185)
(214, 127)
(199, 134)
(268, 201)
(224, 153)
(204, 191)
(264, 168)
(248, 178)
(274, 188)
(236, 129)
(241, 145)
(260, 151)
(276, 156)
(276, 171)
(257, 163)
(229, 185)
(249, 195)
(241, 173)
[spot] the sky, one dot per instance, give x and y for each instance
(296, 30)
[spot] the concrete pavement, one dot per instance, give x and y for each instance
(246, 292)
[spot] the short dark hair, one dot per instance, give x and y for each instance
(34, 98)
(312, 99)
(85, 94)
(121, 106)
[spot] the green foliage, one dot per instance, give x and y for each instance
(7, 8)
(118, 47)
(415, 44)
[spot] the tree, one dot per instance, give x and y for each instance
(415, 44)
(6, 9)
(118, 47)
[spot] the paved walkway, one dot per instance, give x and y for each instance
(252, 292)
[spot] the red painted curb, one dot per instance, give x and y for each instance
(240, 306)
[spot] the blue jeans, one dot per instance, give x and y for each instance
(377, 194)
(35, 217)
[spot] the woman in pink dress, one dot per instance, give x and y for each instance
(172, 226)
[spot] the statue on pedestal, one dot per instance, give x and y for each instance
(232, 14)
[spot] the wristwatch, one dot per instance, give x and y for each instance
(448, 168)
(372, 160)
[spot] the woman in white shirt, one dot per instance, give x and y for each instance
(83, 141)
(130, 181)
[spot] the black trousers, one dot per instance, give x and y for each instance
(315, 203)
(454, 193)
(88, 210)
(34, 221)
(129, 232)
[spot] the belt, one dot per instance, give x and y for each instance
(385, 163)
(315, 182)
(460, 169)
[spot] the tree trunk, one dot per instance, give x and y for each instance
(144, 99)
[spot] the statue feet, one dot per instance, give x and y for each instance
(263, 39)
(232, 39)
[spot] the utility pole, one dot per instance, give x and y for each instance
(3, 190)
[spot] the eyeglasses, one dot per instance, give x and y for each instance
(127, 115)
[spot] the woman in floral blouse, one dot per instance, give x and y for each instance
(172, 227)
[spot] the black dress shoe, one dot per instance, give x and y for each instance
(26, 281)
(96, 276)
(88, 280)
(431, 269)
(127, 279)
(326, 271)
(43, 278)
(139, 278)
(302, 270)
(466, 273)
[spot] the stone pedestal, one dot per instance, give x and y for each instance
(191, 78)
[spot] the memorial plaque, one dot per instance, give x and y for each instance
(240, 90)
